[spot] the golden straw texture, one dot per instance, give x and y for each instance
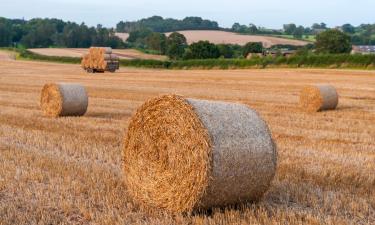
(51, 100)
(63, 99)
(184, 154)
(318, 98)
(98, 58)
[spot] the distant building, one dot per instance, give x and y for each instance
(363, 49)
(280, 52)
(272, 52)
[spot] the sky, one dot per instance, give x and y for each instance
(266, 13)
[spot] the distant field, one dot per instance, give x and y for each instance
(123, 36)
(223, 37)
(310, 38)
(78, 52)
(220, 37)
(6, 55)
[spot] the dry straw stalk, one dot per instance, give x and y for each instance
(63, 99)
(320, 97)
(184, 154)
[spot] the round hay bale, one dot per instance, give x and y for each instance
(182, 155)
(105, 50)
(107, 56)
(63, 99)
(316, 98)
(114, 57)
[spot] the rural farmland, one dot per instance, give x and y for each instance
(223, 37)
(70, 170)
(79, 52)
(216, 37)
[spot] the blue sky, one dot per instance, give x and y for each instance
(267, 13)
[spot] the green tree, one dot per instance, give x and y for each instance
(236, 27)
(333, 41)
(40, 33)
(253, 29)
(319, 26)
(5, 33)
(159, 24)
(157, 41)
(226, 50)
(348, 28)
(138, 35)
(176, 44)
(203, 50)
(290, 28)
(252, 47)
(298, 32)
(55, 32)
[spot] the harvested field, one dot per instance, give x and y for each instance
(6, 55)
(123, 36)
(78, 52)
(69, 170)
(223, 37)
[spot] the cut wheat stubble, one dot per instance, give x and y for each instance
(182, 155)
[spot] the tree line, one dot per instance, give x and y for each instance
(176, 47)
(330, 41)
(37, 33)
(363, 34)
(296, 31)
(159, 24)
(149, 34)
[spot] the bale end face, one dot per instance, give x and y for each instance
(317, 98)
(51, 100)
(174, 159)
(166, 155)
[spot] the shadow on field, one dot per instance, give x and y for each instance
(347, 108)
(240, 207)
(107, 115)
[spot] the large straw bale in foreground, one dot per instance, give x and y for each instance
(316, 98)
(184, 154)
(63, 99)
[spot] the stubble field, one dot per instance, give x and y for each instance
(224, 37)
(79, 52)
(68, 170)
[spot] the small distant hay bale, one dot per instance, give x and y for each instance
(63, 99)
(107, 50)
(182, 155)
(316, 98)
(254, 55)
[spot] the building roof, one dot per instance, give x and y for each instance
(364, 48)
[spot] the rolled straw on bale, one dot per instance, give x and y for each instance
(107, 56)
(316, 98)
(182, 155)
(106, 50)
(63, 99)
(114, 57)
(110, 57)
